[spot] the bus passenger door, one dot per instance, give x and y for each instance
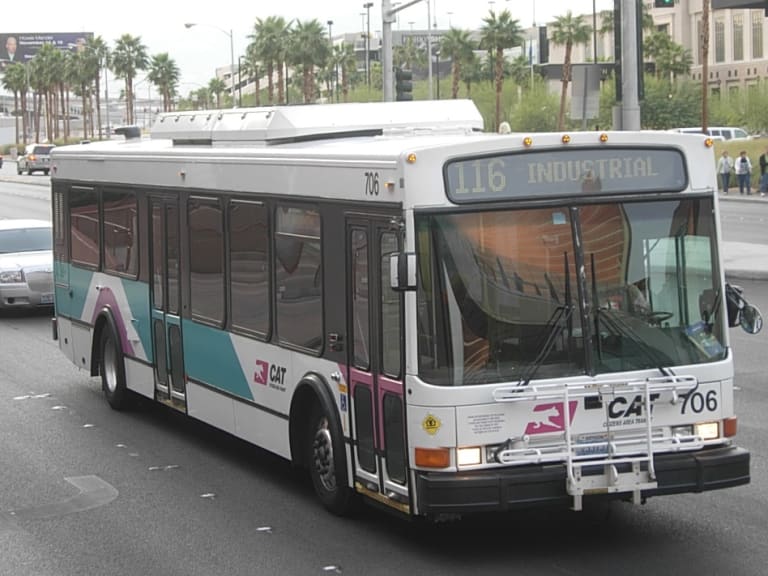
(166, 303)
(375, 364)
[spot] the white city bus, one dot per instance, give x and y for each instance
(432, 318)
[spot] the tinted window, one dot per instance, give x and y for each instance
(206, 259)
(298, 277)
(84, 222)
(249, 266)
(390, 310)
(361, 339)
(120, 237)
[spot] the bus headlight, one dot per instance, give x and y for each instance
(708, 430)
(468, 456)
(682, 431)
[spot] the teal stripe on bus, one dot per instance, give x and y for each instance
(137, 294)
(210, 358)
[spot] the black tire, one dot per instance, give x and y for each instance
(45, 172)
(113, 371)
(327, 462)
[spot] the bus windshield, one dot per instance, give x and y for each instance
(566, 291)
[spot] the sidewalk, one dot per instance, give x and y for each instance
(743, 261)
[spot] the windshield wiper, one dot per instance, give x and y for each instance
(621, 327)
(559, 320)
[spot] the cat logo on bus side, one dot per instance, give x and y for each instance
(270, 375)
(550, 417)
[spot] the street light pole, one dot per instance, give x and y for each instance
(429, 47)
(335, 79)
(231, 55)
(367, 7)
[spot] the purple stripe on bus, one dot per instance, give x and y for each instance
(107, 299)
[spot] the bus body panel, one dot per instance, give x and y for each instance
(531, 438)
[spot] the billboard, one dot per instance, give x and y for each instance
(22, 47)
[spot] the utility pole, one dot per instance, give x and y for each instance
(367, 7)
(387, 18)
(705, 67)
(429, 48)
(630, 113)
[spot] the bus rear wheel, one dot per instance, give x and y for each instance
(326, 463)
(113, 371)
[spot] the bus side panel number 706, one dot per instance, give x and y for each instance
(371, 183)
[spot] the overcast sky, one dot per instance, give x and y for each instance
(199, 50)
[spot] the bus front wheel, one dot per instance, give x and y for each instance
(326, 463)
(113, 371)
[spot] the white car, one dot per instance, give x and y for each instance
(26, 264)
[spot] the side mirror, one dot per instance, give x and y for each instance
(402, 271)
(740, 312)
(751, 319)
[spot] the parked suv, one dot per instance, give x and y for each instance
(36, 158)
(718, 132)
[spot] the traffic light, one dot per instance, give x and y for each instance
(663, 3)
(403, 84)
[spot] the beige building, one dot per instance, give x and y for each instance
(738, 54)
(738, 41)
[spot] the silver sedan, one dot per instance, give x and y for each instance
(26, 264)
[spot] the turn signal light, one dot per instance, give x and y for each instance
(433, 457)
(729, 427)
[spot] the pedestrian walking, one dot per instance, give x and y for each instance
(763, 161)
(743, 169)
(724, 167)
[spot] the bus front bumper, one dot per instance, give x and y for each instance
(540, 485)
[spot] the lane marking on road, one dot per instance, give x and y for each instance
(94, 492)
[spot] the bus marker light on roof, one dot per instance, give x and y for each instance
(433, 457)
(411, 158)
(603, 137)
(708, 142)
(527, 141)
(566, 139)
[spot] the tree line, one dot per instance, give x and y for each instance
(296, 55)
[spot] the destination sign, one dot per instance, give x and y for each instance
(566, 173)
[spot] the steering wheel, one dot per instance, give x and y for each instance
(656, 317)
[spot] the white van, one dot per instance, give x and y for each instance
(717, 132)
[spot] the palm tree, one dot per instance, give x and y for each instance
(43, 70)
(471, 73)
(671, 58)
(310, 49)
(252, 69)
(457, 45)
(15, 80)
(566, 31)
(97, 52)
(406, 55)
(498, 34)
(269, 39)
(520, 70)
(128, 57)
(216, 87)
(344, 59)
(164, 74)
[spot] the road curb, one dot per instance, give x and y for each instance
(759, 275)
